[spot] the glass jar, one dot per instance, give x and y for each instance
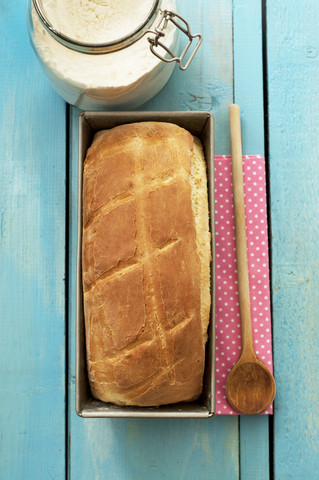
(102, 54)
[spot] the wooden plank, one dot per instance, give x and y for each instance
(136, 448)
(32, 259)
(293, 72)
(248, 94)
(248, 73)
(254, 447)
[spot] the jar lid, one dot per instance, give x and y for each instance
(96, 26)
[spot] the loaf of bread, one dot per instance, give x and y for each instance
(145, 264)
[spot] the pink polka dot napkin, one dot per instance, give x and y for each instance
(228, 334)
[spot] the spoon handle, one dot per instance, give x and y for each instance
(240, 232)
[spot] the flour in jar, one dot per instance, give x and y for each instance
(111, 78)
(96, 21)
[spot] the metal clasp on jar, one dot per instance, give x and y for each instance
(166, 17)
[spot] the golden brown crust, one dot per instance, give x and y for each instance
(141, 267)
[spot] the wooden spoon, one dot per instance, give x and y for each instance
(250, 386)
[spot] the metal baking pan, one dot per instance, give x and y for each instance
(200, 124)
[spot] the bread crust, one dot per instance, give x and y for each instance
(145, 260)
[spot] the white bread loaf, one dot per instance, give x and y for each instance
(145, 264)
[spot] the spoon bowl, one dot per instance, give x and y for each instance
(250, 387)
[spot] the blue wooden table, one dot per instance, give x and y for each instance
(264, 56)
